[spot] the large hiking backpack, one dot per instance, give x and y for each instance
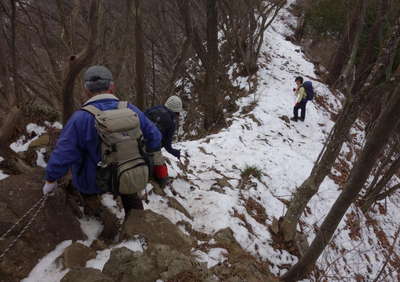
(308, 87)
(160, 117)
(122, 168)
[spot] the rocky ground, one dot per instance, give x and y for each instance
(54, 224)
(166, 251)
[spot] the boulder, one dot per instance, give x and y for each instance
(285, 118)
(41, 141)
(156, 229)
(241, 265)
(54, 224)
(76, 255)
(157, 262)
(86, 275)
(126, 265)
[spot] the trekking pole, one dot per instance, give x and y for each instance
(40, 205)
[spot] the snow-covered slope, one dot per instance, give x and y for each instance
(284, 152)
(209, 184)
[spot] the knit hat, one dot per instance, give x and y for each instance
(174, 103)
(97, 78)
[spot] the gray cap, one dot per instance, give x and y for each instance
(94, 73)
(97, 78)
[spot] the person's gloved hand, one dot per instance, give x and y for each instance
(49, 187)
(161, 174)
(161, 171)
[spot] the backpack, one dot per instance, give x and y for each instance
(308, 87)
(160, 117)
(123, 167)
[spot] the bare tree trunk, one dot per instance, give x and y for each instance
(7, 126)
(343, 80)
(78, 62)
(373, 192)
(375, 143)
(299, 33)
(183, 56)
(197, 44)
(12, 90)
(389, 192)
(140, 63)
(354, 104)
(192, 30)
(211, 93)
(391, 251)
(379, 171)
(153, 69)
(14, 61)
(124, 45)
(346, 44)
(367, 57)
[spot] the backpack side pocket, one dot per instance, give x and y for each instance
(133, 176)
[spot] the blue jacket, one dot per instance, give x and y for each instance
(78, 146)
(166, 123)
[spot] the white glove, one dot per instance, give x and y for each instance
(49, 187)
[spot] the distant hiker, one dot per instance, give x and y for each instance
(102, 143)
(301, 100)
(165, 117)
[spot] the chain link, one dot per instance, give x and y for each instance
(40, 203)
(22, 218)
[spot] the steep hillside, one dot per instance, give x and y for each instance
(242, 177)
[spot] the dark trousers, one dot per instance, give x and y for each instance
(131, 202)
(94, 207)
(300, 106)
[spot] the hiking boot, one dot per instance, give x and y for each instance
(294, 119)
(301, 119)
(163, 182)
(131, 202)
(92, 205)
(94, 208)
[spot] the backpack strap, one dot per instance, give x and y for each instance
(92, 109)
(122, 105)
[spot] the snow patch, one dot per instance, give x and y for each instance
(213, 257)
(55, 124)
(2, 174)
(22, 144)
(40, 157)
(92, 229)
(108, 201)
(47, 268)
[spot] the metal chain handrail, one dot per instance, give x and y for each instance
(40, 203)
(22, 218)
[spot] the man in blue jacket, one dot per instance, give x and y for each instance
(78, 146)
(165, 117)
